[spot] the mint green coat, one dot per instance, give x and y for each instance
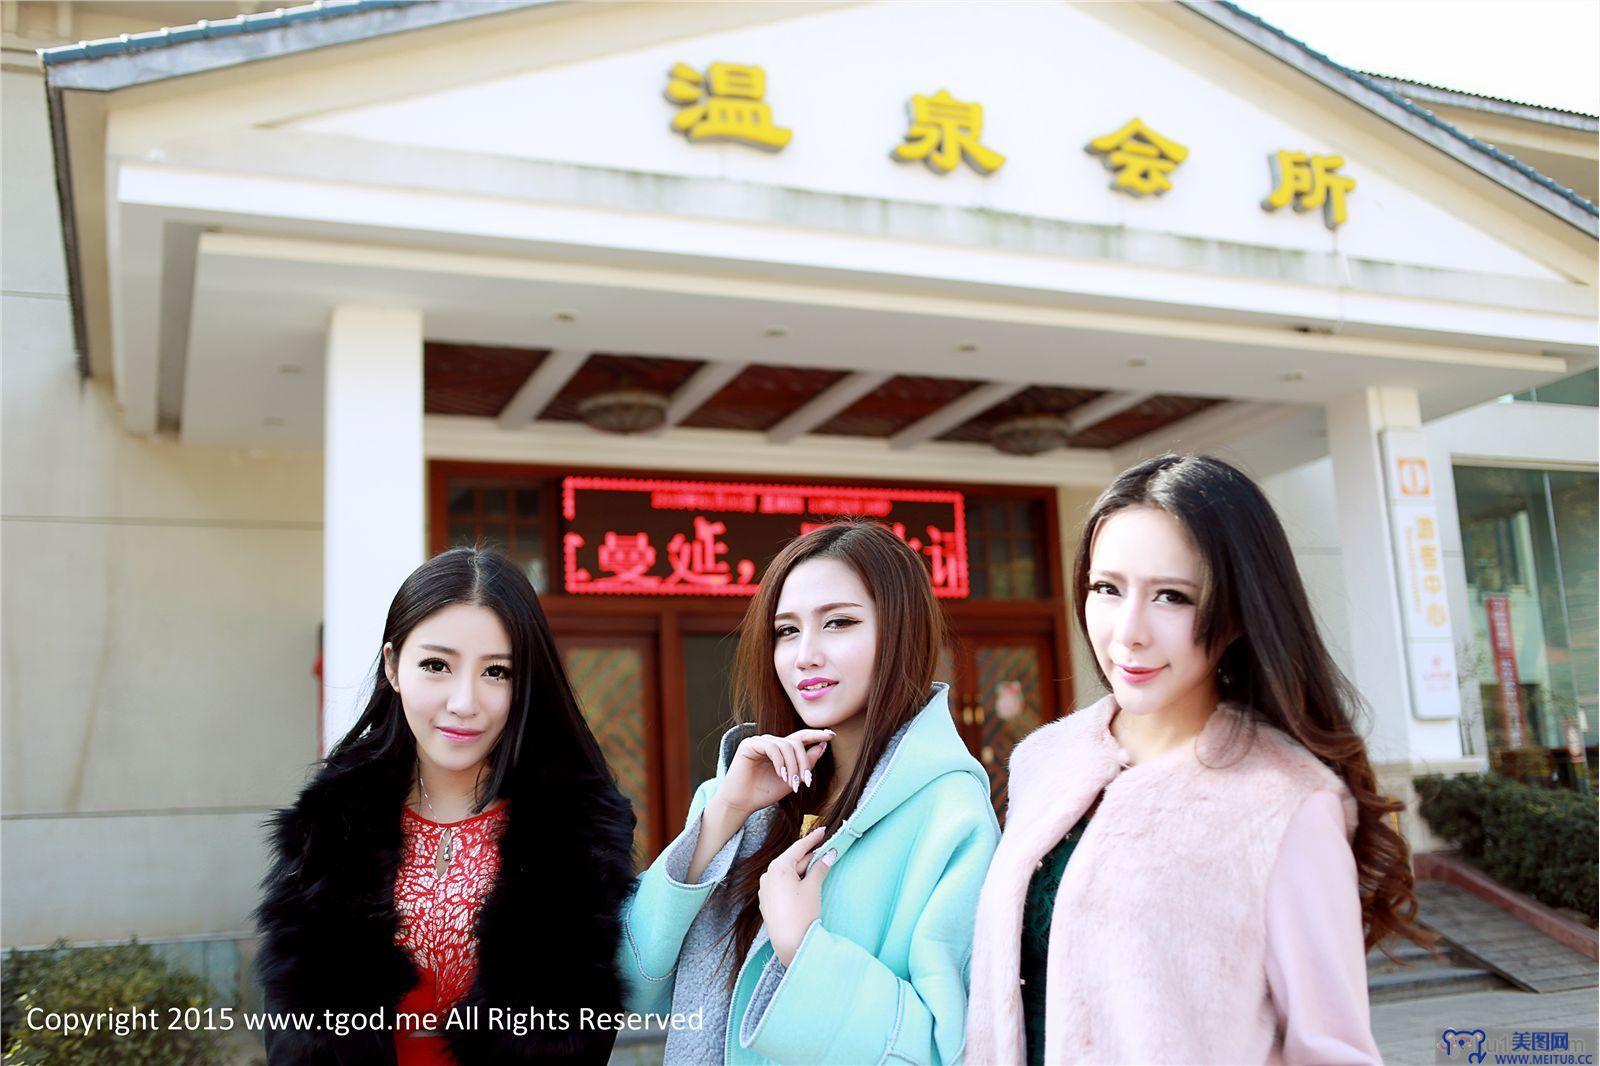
(882, 974)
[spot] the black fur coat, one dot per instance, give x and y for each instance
(548, 930)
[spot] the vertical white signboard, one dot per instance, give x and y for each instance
(1419, 568)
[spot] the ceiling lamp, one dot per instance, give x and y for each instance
(1029, 434)
(624, 410)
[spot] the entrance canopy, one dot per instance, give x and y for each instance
(898, 224)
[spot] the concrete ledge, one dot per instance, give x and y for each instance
(1438, 866)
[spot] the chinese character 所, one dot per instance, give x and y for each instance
(1311, 181)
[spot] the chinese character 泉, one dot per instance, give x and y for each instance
(725, 103)
(1311, 182)
(945, 130)
(1140, 157)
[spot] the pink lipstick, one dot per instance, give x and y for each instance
(814, 688)
(1138, 675)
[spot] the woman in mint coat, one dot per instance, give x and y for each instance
(819, 904)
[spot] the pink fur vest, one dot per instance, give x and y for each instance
(1158, 935)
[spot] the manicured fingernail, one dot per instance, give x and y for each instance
(794, 782)
(807, 777)
(830, 856)
(830, 732)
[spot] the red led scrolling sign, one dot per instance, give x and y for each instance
(649, 537)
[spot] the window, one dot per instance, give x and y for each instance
(1580, 390)
(1529, 538)
(501, 513)
(1005, 550)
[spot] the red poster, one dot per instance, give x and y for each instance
(654, 537)
(1505, 668)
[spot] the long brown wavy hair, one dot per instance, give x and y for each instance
(910, 633)
(1253, 609)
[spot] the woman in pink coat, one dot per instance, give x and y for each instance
(1192, 868)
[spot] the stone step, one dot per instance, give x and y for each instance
(1415, 972)
(1426, 982)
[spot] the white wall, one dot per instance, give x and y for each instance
(1494, 434)
(160, 614)
(1050, 77)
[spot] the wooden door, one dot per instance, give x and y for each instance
(616, 680)
(1004, 689)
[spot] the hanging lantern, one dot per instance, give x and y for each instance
(624, 410)
(1029, 434)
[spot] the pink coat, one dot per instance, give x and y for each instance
(1158, 944)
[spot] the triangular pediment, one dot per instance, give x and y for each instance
(837, 86)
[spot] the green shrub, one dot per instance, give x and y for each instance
(91, 981)
(1536, 840)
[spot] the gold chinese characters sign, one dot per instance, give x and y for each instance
(1140, 157)
(943, 132)
(727, 102)
(1310, 181)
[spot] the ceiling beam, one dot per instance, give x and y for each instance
(701, 386)
(1101, 408)
(824, 405)
(1232, 428)
(542, 386)
(962, 409)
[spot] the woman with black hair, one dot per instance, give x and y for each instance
(464, 846)
(1194, 867)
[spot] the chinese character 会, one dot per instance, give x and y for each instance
(944, 131)
(1310, 181)
(726, 103)
(1140, 157)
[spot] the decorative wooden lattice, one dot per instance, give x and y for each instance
(609, 683)
(999, 665)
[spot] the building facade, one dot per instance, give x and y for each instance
(296, 299)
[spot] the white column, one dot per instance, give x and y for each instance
(1410, 729)
(373, 532)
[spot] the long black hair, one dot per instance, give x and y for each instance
(541, 696)
(1254, 611)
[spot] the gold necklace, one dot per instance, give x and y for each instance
(442, 855)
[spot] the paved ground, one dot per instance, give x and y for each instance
(1521, 954)
(647, 1053)
(1407, 1029)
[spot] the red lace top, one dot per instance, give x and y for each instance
(441, 885)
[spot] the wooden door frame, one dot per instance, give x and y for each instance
(668, 618)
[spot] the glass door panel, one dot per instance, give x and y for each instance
(1000, 693)
(707, 679)
(614, 680)
(1011, 702)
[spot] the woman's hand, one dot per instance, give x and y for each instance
(767, 768)
(791, 898)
